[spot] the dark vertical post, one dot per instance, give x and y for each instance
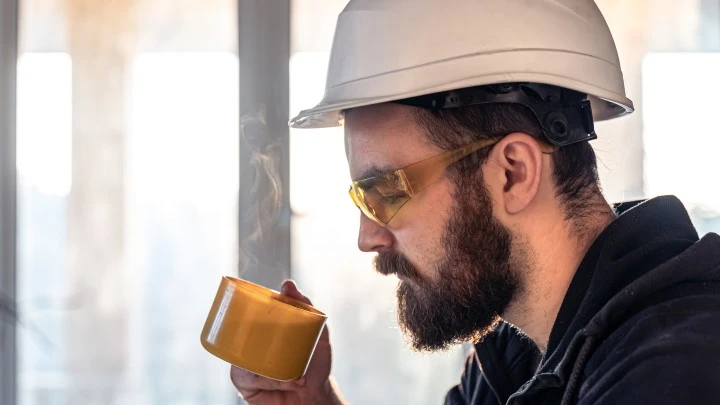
(8, 200)
(264, 206)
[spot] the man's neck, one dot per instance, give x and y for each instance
(554, 257)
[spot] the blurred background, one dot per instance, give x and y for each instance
(148, 133)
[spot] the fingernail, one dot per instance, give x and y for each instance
(286, 285)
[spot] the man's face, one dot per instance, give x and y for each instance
(451, 255)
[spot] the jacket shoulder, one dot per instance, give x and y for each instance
(667, 353)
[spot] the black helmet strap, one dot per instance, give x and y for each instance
(564, 115)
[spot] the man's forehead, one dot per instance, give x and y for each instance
(377, 123)
(381, 138)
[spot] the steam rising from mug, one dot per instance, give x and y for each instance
(261, 204)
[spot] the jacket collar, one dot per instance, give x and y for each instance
(634, 244)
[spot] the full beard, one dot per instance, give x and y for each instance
(476, 279)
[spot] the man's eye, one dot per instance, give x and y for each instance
(391, 199)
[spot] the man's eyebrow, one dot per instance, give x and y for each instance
(373, 171)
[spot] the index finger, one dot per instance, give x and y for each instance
(248, 383)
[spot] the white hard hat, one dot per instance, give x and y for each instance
(387, 50)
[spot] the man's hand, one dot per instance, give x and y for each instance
(316, 387)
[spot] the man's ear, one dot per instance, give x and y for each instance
(514, 172)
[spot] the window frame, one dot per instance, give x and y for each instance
(8, 199)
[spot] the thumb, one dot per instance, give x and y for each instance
(289, 289)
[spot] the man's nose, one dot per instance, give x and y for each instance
(372, 237)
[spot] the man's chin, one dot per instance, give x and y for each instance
(426, 330)
(420, 341)
(421, 335)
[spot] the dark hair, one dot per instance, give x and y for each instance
(574, 166)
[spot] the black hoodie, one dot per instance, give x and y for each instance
(639, 324)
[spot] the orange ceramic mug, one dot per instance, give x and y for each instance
(262, 331)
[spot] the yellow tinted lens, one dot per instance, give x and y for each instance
(358, 197)
(377, 199)
(385, 206)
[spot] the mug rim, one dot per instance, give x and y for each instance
(244, 284)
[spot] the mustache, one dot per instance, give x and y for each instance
(387, 263)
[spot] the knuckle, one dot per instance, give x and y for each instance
(238, 376)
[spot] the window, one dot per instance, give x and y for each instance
(680, 136)
(128, 187)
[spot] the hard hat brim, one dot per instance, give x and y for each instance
(460, 73)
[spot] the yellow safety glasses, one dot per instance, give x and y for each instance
(381, 197)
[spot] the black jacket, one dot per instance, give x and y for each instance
(640, 324)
